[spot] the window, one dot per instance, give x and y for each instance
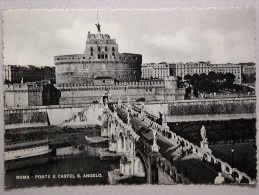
(99, 48)
(113, 49)
(106, 49)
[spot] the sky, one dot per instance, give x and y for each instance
(177, 35)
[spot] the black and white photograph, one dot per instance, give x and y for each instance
(129, 97)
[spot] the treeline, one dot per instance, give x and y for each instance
(212, 82)
(251, 78)
(230, 108)
(19, 117)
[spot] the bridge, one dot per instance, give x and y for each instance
(150, 150)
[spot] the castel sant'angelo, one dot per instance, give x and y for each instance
(83, 78)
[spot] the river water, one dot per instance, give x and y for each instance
(83, 169)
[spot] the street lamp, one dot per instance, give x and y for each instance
(232, 156)
(178, 161)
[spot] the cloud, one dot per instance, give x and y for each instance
(179, 41)
(71, 37)
(35, 37)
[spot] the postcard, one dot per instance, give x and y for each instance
(109, 97)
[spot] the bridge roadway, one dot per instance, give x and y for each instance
(190, 166)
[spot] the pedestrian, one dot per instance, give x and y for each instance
(219, 179)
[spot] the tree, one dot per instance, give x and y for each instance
(221, 77)
(237, 87)
(252, 78)
(204, 85)
(213, 76)
(195, 92)
(230, 78)
(195, 79)
(187, 93)
(188, 78)
(195, 76)
(203, 76)
(180, 82)
(223, 85)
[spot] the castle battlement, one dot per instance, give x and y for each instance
(144, 84)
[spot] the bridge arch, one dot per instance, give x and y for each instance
(140, 166)
(120, 143)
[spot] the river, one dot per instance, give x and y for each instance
(82, 169)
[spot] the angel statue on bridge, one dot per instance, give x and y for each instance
(203, 134)
(155, 147)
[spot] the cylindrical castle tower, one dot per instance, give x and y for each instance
(101, 58)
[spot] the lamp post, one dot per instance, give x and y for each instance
(232, 156)
(178, 162)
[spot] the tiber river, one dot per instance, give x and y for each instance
(85, 169)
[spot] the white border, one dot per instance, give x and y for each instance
(123, 4)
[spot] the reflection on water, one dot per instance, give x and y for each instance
(84, 168)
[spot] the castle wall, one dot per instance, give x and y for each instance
(16, 98)
(84, 71)
(88, 96)
(150, 90)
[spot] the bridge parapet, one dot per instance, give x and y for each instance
(166, 167)
(161, 170)
(75, 115)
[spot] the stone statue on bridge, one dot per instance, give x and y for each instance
(203, 134)
(128, 118)
(128, 100)
(155, 147)
(119, 101)
(163, 117)
(204, 142)
(101, 100)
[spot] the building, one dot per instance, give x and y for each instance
(30, 73)
(48, 74)
(7, 75)
(22, 95)
(101, 58)
(192, 68)
(155, 70)
(172, 69)
(248, 68)
(30, 94)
